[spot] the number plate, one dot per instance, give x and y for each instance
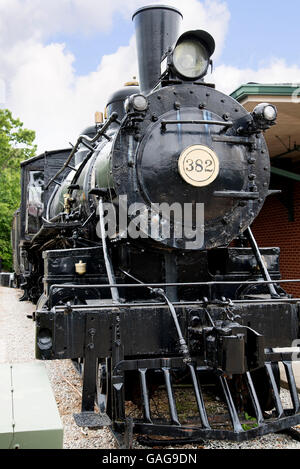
(198, 165)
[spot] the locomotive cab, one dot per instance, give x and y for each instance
(28, 221)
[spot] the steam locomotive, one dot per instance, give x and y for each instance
(137, 247)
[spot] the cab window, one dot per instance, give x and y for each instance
(35, 201)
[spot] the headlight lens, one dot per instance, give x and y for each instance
(190, 59)
(270, 113)
(136, 102)
(139, 102)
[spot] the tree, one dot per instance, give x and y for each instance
(16, 145)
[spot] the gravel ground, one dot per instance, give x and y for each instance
(17, 346)
(17, 335)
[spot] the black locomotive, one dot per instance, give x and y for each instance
(138, 245)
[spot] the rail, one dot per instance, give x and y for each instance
(86, 141)
(181, 303)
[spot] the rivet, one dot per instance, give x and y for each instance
(251, 160)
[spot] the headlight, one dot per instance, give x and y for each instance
(190, 59)
(139, 102)
(136, 102)
(265, 111)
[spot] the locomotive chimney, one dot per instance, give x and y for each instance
(157, 29)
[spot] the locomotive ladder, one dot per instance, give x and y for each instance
(261, 264)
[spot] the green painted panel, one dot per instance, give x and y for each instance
(31, 406)
(46, 439)
(285, 174)
(6, 417)
(257, 89)
(103, 167)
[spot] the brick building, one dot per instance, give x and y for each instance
(279, 221)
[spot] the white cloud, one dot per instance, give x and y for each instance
(49, 98)
(42, 87)
(229, 78)
(24, 19)
(38, 19)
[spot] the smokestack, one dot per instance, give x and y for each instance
(157, 29)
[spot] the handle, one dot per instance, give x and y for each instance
(201, 122)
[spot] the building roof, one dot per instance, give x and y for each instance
(280, 89)
(284, 138)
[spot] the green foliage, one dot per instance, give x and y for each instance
(252, 423)
(16, 145)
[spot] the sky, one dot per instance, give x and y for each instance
(61, 59)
